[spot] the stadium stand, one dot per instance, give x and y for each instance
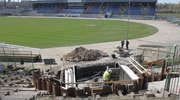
(136, 7)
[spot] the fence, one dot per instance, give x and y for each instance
(172, 84)
(172, 19)
(17, 56)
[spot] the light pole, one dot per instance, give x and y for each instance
(128, 26)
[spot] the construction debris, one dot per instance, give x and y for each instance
(16, 81)
(16, 77)
(84, 79)
(83, 54)
(122, 52)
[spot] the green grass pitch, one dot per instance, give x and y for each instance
(56, 32)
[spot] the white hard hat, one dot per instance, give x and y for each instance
(110, 71)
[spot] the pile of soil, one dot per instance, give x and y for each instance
(83, 54)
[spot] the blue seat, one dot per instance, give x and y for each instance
(73, 10)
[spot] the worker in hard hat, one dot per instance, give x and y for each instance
(107, 75)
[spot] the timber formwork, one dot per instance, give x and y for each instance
(55, 86)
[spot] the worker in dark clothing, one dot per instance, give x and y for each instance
(145, 81)
(127, 44)
(122, 43)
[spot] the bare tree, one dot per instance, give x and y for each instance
(168, 8)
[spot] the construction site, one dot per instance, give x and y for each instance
(135, 68)
(147, 72)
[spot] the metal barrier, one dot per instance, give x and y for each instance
(172, 84)
(172, 19)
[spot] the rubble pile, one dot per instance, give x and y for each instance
(16, 81)
(17, 78)
(83, 54)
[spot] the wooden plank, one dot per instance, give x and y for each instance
(108, 82)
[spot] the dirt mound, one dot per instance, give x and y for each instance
(83, 54)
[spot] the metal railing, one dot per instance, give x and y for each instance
(138, 66)
(172, 84)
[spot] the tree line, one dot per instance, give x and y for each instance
(168, 8)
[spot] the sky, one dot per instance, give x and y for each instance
(168, 1)
(159, 1)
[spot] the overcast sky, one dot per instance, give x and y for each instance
(168, 1)
(160, 1)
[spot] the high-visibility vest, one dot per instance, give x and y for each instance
(106, 76)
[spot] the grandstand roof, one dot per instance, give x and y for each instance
(71, 1)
